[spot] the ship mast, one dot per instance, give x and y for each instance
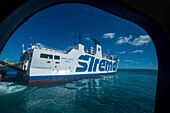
(95, 41)
(30, 42)
(22, 51)
(79, 36)
(108, 52)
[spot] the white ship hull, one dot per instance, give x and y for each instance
(44, 65)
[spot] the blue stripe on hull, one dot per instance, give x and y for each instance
(47, 77)
(37, 80)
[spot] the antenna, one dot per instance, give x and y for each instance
(30, 41)
(79, 36)
(108, 51)
(22, 48)
(95, 41)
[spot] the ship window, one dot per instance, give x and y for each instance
(57, 57)
(48, 62)
(98, 49)
(57, 62)
(46, 56)
(64, 58)
(70, 59)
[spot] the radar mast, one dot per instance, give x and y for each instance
(79, 37)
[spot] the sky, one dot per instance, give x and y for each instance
(58, 27)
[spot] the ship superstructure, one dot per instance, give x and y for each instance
(42, 64)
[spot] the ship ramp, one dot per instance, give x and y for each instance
(14, 66)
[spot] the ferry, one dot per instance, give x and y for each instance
(42, 65)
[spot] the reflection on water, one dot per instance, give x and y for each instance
(118, 93)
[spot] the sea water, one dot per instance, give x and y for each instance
(127, 91)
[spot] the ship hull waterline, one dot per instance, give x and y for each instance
(47, 79)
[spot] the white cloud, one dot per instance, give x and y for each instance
(122, 52)
(108, 35)
(124, 39)
(132, 61)
(137, 51)
(87, 38)
(143, 39)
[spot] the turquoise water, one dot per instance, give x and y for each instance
(127, 91)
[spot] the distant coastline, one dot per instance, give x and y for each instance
(137, 69)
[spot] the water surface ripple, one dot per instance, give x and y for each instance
(127, 91)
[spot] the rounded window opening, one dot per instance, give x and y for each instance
(85, 41)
